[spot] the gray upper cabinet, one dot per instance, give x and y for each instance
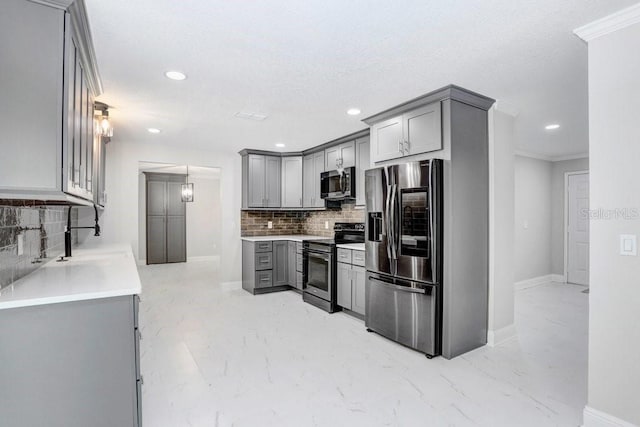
(414, 132)
(292, 182)
(340, 156)
(314, 165)
(363, 162)
(261, 181)
(46, 110)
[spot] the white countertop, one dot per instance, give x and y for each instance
(353, 246)
(94, 271)
(293, 238)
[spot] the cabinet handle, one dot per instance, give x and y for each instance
(265, 279)
(406, 146)
(400, 150)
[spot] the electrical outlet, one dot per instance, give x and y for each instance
(20, 244)
(628, 245)
(269, 224)
(326, 225)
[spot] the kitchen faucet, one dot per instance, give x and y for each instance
(67, 231)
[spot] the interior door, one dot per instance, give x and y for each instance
(578, 229)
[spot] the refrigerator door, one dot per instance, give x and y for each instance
(378, 240)
(404, 311)
(417, 220)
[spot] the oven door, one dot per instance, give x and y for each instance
(318, 271)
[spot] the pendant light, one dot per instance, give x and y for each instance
(103, 126)
(187, 189)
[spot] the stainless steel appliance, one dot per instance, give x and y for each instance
(404, 253)
(319, 267)
(338, 184)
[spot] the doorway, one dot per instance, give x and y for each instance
(577, 227)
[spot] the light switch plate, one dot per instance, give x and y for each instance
(269, 224)
(326, 225)
(20, 244)
(628, 245)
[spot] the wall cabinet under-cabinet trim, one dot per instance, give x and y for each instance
(48, 128)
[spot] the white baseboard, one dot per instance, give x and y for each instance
(595, 418)
(535, 281)
(230, 286)
(558, 278)
(498, 336)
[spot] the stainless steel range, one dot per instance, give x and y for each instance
(319, 269)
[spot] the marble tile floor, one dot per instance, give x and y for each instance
(214, 355)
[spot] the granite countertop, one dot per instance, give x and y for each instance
(353, 246)
(293, 238)
(94, 271)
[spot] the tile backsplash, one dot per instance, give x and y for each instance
(42, 231)
(255, 223)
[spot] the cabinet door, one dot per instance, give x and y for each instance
(358, 275)
(255, 179)
(272, 181)
(344, 285)
(175, 205)
(332, 158)
(386, 138)
(176, 239)
(77, 123)
(308, 180)
(280, 263)
(156, 240)
(348, 154)
(291, 263)
(156, 198)
(422, 129)
(292, 182)
(318, 161)
(362, 163)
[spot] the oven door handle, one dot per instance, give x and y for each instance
(326, 258)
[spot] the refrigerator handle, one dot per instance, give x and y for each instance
(394, 241)
(434, 237)
(387, 222)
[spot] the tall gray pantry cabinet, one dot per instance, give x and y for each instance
(166, 218)
(71, 364)
(48, 85)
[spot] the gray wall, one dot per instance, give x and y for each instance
(533, 206)
(614, 150)
(558, 170)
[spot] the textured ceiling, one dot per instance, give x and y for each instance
(304, 63)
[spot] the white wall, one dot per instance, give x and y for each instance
(121, 217)
(558, 171)
(614, 153)
(533, 207)
(501, 238)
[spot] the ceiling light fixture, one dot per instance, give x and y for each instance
(187, 189)
(175, 75)
(280, 145)
(102, 124)
(353, 111)
(552, 126)
(153, 130)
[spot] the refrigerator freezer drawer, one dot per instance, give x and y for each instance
(405, 314)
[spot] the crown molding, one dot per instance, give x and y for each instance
(538, 156)
(58, 4)
(609, 24)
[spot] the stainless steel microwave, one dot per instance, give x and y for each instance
(338, 184)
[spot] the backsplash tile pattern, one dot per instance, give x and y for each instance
(254, 223)
(43, 230)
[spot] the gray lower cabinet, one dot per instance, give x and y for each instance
(351, 282)
(313, 166)
(292, 264)
(71, 364)
(280, 263)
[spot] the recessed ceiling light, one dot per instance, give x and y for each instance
(353, 111)
(280, 145)
(175, 75)
(153, 130)
(552, 126)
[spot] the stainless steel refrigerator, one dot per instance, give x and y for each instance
(404, 253)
